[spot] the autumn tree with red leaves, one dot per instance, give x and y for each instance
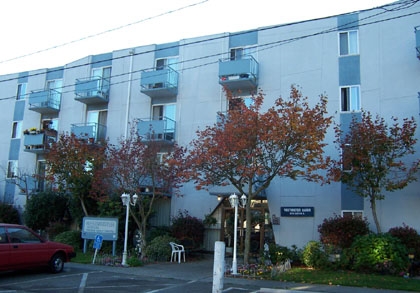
(142, 167)
(72, 165)
(375, 157)
(248, 148)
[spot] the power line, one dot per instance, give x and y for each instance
(104, 32)
(401, 5)
(261, 47)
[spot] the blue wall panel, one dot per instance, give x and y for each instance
(167, 50)
(243, 39)
(349, 70)
(19, 110)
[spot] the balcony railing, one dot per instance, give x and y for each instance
(93, 90)
(159, 83)
(39, 143)
(163, 130)
(239, 75)
(90, 132)
(45, 101)
(417, 32)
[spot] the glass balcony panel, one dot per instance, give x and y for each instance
(163, 129)
(91, 132)
(93, 90)
(159, 83)
(239, 74)
(45, 101)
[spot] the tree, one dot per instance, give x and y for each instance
(248, 148)
(72, 165)
(45, 209)
(372, 157)
(142, 167)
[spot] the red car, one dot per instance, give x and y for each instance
(20, 247)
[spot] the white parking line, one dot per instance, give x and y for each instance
(83, 283)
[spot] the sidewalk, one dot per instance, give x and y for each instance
(202, 270)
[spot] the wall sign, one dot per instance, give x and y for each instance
(297, 211)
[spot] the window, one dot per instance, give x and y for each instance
(21, 91)
(350, 98)
(12, 169)
(349, 43)
(346, 165)
(235, 103)
(164, 62)
(104, 75)
(3, 237)
(41, 174)
(55, 87)
(353, 214)
(19, 235)
(17, 129)
(240, 53)
(165, 112)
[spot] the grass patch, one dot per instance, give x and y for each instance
(84, 258)
(348, 278)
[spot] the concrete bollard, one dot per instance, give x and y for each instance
(218, 266)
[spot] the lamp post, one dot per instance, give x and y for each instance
(234, 202)
(126, 200)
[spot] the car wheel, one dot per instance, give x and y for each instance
(57, 263)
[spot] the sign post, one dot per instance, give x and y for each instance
(97, 245)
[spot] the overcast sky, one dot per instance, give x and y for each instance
(65, 31)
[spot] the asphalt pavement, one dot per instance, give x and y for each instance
(202, 271)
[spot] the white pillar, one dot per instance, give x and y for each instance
(218, 266)
(235, 235)
(124, 258)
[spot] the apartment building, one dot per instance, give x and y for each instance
(367, 59)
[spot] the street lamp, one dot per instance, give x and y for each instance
(126, 200)
(234, 202)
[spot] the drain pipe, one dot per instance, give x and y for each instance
(127, 110)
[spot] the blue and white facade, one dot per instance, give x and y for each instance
(368, 59)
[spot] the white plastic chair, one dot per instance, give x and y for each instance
(177, 250)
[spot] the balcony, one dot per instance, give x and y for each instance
(240, 75)
(39, 143)
(162, 130)
(93, 90)
(45, 101)
(90, 132)
(159, 83)
(417, 31)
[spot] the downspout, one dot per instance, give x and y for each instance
(127, 110)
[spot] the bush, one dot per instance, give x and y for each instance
(409, 237)
(8, 214)
(159, 248)
(377, 254)
(279, 254)
(72, 238)
(337, 233)
(314, 256)
(45, 208)
(188, 230)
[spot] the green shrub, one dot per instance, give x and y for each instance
(314, 256)
(8, 214)
(134, 262)
(279, 254)
(72, 238)
(45, 208)
(337, 233)
(378, 254)
(159, 248)
(409, 237)
(154, 232)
